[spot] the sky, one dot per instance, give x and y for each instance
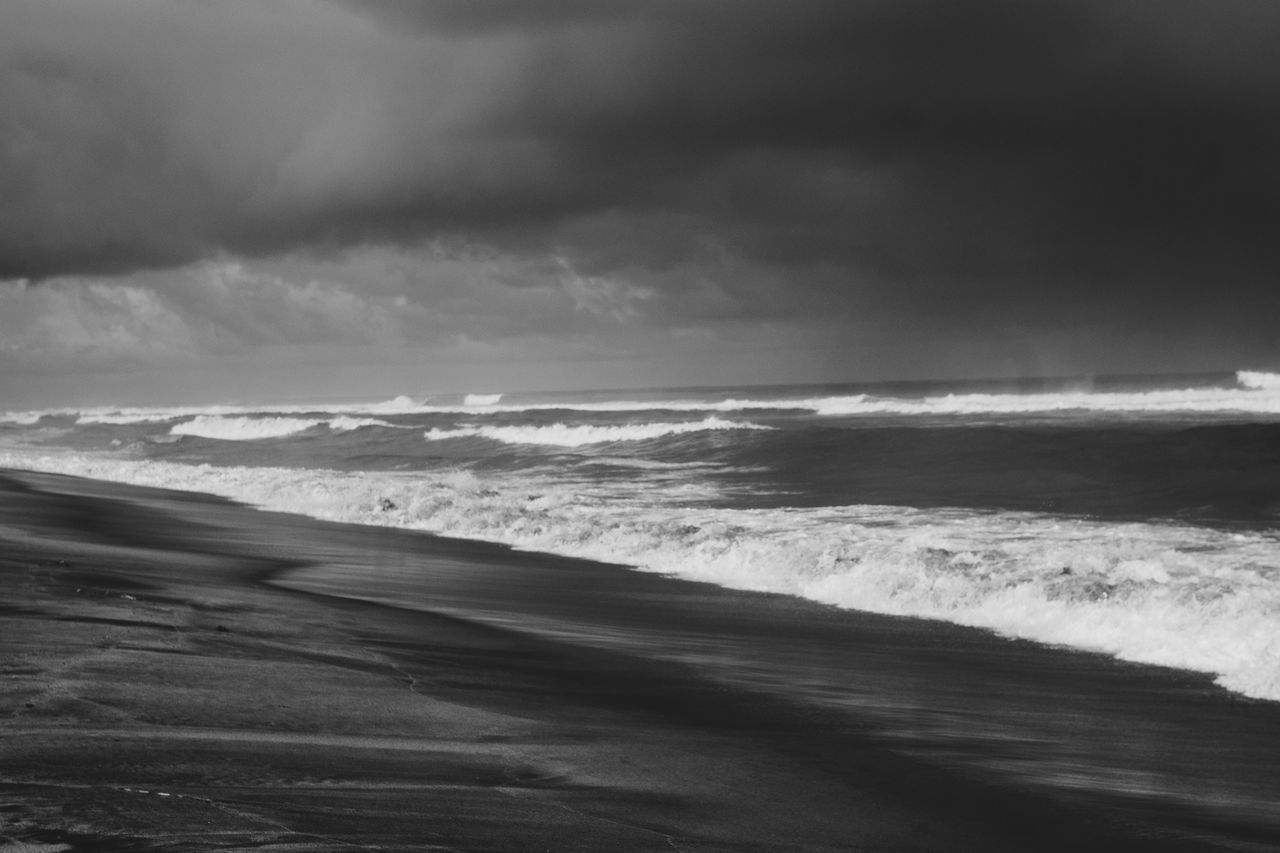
(319, 199)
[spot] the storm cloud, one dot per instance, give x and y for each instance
(917, 160)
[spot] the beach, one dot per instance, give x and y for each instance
(186, 673)
(686, 426)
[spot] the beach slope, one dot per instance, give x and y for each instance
(185, 673)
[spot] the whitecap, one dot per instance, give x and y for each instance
(242, 428)
(1159, 593)
(1258, 380)
(564, 435)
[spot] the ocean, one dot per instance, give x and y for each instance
(1135, 516)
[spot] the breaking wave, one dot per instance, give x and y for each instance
(159, 414)
(1258, 380)
(344, 423)
(242, 429)
(1200, 400)
(1256, 395)
(250, 429)
(1255, 400)
(131, 418)
(1159, 593)
(21, 418)
(563, 435)
(1255, 392)
(402, 403)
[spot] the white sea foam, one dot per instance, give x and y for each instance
(608, 406)
(1262, 400)
(397, 405)
(242, 429)
(21, 418)
(563, 435)
(1196, 400)
(225, 422)
(131, 418)
(1166, 594)
(150, 416)
(345, 423)
(1258, 380)
(1258, 399)
(160, 414)
(1258, 393)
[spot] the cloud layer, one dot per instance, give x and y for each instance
(984, 163)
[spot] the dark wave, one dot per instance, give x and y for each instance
(1220, 473)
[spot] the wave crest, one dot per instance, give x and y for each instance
(1256, 392)
(345, 423)
(251, 429)
(563, 435)
(1258, 380)
(1189, 401)
(21, 418)
(242, 429)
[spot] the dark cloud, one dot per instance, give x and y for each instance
(482, 16)
(1047, 161)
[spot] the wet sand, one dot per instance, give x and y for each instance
(181, 673)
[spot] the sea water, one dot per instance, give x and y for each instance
(1138, 517)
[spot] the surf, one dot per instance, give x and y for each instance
(242, 428)
(580, 435)
(1160, 593)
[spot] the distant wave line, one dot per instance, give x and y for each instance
(1256, 392)
(564, 435)
(250, 429)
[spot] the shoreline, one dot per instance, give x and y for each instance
(1157, 591)
(218, 659)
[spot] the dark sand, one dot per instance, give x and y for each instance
(181, 673)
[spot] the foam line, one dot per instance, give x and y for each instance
(242, 429)
(1168, 594)
(563, 435)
